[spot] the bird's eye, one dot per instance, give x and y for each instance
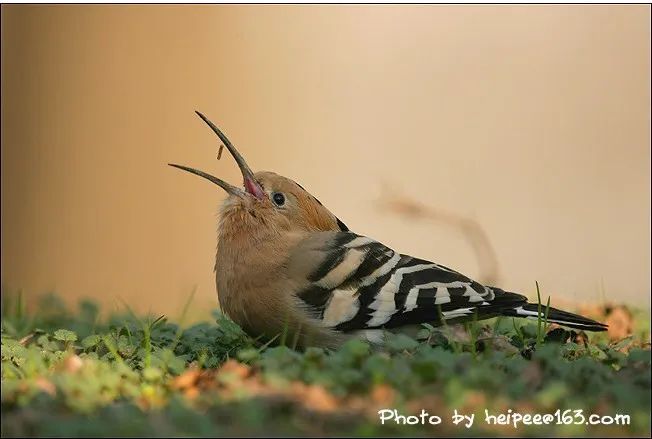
(278, 198)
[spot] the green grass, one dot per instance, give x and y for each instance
(71, 373)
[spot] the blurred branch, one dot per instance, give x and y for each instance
(472, 230)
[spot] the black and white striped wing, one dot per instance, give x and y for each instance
(357, 283)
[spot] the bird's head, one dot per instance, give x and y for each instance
(267, 203)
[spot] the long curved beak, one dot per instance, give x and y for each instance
(229, 188)
(251, 185)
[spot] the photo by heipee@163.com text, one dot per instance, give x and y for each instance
(515, 419)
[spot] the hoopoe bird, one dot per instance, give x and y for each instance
(286, 265)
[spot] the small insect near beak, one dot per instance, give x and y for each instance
(251, 186)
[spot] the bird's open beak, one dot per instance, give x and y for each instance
(251, 186)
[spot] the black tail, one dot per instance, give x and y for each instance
(530, 310)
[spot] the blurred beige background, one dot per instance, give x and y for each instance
(532, 121)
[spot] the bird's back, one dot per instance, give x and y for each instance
(351, 283)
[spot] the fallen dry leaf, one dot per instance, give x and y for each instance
(23, 341)
(383, 395)
(621, 323)
(72, 363)
(236, 368)
(319, 399)
(186, 379)
(191, 393)
(46, 386)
